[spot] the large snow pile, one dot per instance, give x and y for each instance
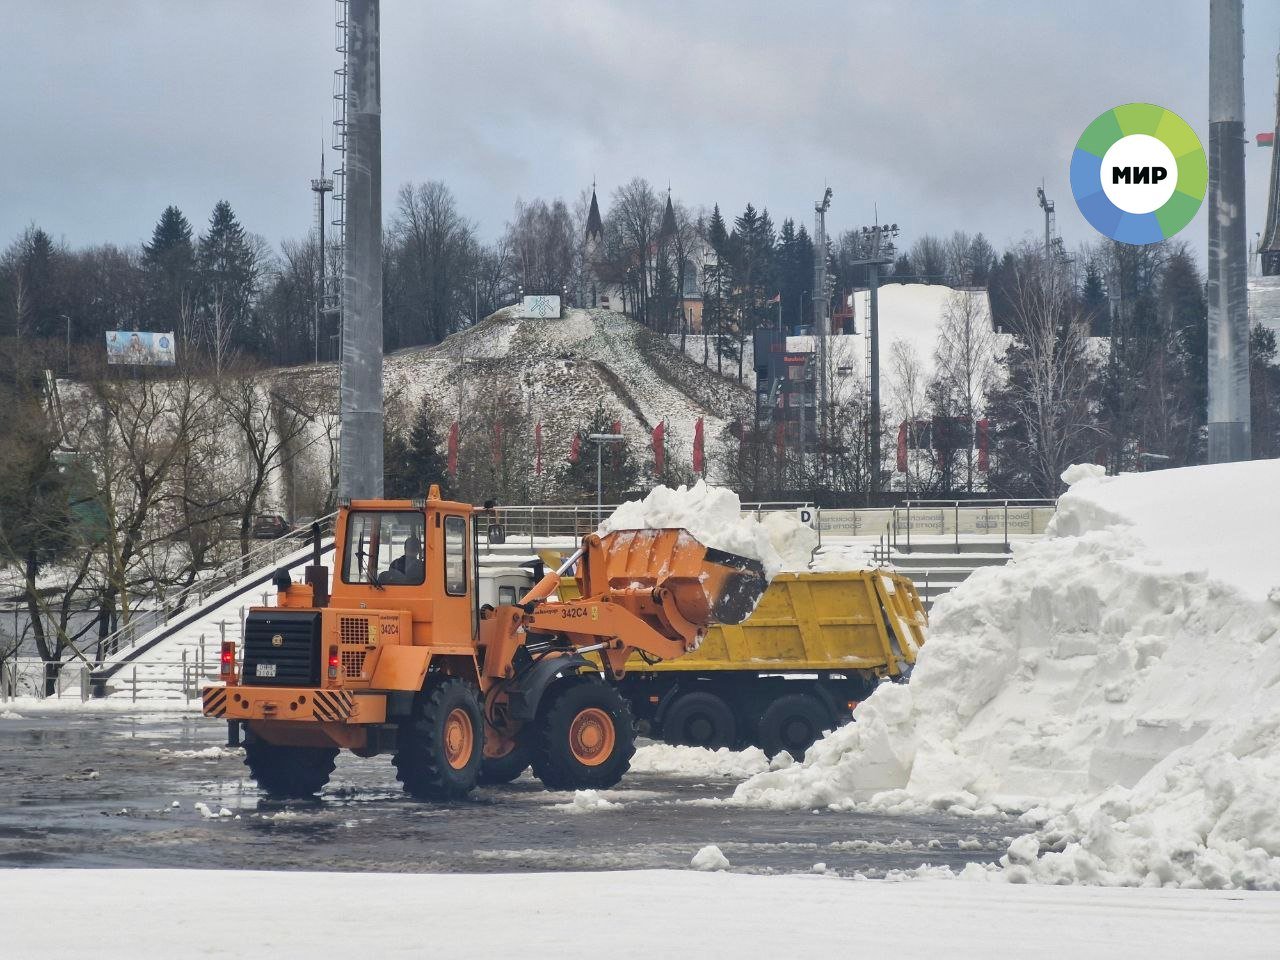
(714, 515)
(1116, 687)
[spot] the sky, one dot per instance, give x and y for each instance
(939, 115)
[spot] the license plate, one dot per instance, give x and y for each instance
(266, 670)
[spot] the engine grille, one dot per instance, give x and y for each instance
(296, 658)
(353, 663)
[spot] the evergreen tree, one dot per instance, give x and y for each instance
(619, 466)
(169, 265)
(228, 278)
(413, 458)
(1093, 299)
(717, 286)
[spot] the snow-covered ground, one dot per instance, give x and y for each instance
(145, 914)
(1114, 687)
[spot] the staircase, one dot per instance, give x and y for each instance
(937, 569)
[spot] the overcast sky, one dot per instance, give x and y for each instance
(944, 114)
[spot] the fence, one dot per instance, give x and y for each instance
(180, 678)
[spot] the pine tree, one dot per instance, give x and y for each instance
(413, 459)
(1093, 298)
(228, 277)
(169, 264)
(717, 284)
(619, 466)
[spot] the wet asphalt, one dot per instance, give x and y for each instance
(123, 791)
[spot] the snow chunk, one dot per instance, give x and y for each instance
(1078, 472)
(698, 761)
(714, 516)
(10, 715)
(207, 812)
(709, 858)
(586, 801)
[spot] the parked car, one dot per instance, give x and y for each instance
(269, 526)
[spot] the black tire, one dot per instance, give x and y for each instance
(505, 768)
(439, 749)
(792, 723)
(700, 719)
(288, 773)
(587, 712)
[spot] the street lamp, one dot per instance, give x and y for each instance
(600, 439)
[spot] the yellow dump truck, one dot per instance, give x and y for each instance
(816, 645)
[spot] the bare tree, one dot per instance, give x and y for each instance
(965, 363)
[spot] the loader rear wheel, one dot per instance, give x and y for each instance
(288, 773)
(584, 736)
(700, 719)
(792, 723)
(439, 749)
(505, 768)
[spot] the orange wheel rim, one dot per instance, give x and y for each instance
(592, 737)
(459, 738)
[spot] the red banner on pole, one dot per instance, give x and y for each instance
(699, 461)
(902, 447)
(453, 451)
(984, 445)
(659, 448)
(575, 448)
(537, 447)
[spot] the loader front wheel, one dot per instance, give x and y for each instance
(439, 749)
(584, 736)
(288, 773)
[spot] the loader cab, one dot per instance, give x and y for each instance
(408, 555)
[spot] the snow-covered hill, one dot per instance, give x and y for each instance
(561, 368)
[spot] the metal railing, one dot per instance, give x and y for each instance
(980, 511)
(184, 676)
(230, 572)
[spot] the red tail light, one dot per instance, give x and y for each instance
(228, 664)
(333, 663)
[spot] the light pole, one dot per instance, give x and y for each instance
(877, 250)
(600, 439)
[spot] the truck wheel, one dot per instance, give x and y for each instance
(700, 719)
(438, 750)
(505, 768)
(792, 723)
(288, 773)
(584, 736)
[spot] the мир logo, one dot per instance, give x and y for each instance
(1139, 173)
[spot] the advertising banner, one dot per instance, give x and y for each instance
(140, 349)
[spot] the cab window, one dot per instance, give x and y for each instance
(455, 556)
(384, 547)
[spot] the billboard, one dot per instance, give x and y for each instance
(140, 349)
(540, 308)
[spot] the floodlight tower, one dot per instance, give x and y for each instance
(821, 307)
(1047, 206)
(360, 452)
(1228, 381)
(320, 186)
(877, 250)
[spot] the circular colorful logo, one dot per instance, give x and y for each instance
(1139, 173)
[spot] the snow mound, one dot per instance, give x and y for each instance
(709, 858)
(1115, 686)
(714, 516)
(680, 761)
(586, 801)
(10, 715)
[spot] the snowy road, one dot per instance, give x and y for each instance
(161, 914)
(121, 791)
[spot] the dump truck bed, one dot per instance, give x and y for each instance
(813, 621)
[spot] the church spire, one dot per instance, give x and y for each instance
(668, 228)
(595, 226)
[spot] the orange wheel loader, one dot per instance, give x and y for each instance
(399, 657)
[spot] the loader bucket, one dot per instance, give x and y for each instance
(707, 585)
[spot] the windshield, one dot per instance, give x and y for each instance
(384, 547)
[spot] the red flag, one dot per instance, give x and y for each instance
(698, 463)
(575, 448)
(780, 439)
(902, 447)
(453, 451)
(984, 445)
(537, 446)
(1266, 139)
(659, 448)
(776, 298)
